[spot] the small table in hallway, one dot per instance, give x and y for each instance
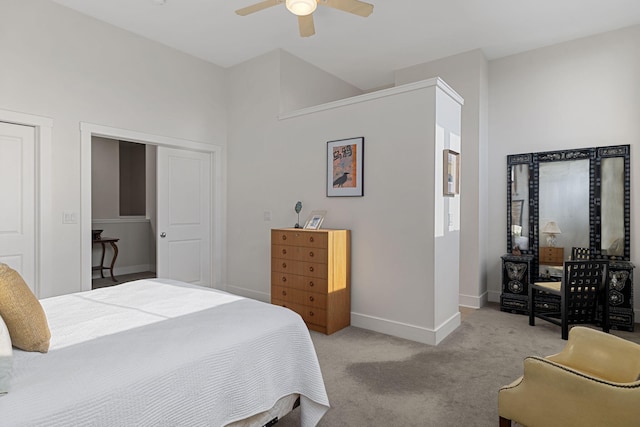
(103, 241)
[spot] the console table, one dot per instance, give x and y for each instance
(517, 275)
(103, 241)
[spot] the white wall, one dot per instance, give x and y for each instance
(60, 64)
(304, 85)
(272, 164)
(105, 178)
(467, 74)
(583, 93)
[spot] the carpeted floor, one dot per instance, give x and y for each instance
(378, 380)
(123, 278)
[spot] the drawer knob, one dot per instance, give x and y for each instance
(284, 237)
(284, 265)
(311, 269)
(311, 284)
(311, 239)
(311, 298)
(284, 278)
(311, 313)
(311, 254)
(284, 252)
(284, 293)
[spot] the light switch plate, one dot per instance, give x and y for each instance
(69, 217)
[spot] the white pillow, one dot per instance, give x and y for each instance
(6, 358)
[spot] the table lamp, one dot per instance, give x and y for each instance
(551, 229)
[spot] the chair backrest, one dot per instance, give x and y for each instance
(580, 253)
(584, 286)
(602, 355)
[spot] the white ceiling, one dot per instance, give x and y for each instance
(364, 51)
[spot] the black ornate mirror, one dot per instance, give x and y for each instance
(557, 200)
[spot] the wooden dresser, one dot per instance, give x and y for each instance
(311, 275)
(551, 255)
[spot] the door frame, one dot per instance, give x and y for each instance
(216, 154)
(43, 244)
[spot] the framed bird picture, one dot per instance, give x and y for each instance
(345, 167)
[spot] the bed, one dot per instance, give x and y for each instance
(165, 353)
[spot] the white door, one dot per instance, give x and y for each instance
(184, 216)
(17, 195)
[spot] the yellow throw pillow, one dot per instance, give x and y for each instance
(22, 313)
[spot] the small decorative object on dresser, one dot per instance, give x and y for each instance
(298, 208)
(314, 221)
(311, 275)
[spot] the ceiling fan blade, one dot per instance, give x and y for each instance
(356, 7)
(258, 7)
(307, 28)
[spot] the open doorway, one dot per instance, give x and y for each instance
(210, 158)
(123, 211)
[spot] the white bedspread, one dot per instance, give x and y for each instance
(163, 353)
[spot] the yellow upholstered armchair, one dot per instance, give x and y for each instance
(593, 381)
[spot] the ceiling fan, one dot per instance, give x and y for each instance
(304, 10)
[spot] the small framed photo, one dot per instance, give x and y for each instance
(345, 166)
(314, 221)
(451, 175)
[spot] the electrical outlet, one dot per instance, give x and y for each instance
(267, 215)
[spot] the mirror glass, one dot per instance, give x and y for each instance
(558, 200)
(612, 206)
(520, 206)
(563, 210)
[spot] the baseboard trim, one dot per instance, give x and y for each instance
(405, 330)
(472, 301)
(248, 293)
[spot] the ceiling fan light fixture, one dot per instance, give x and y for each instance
(301, 7)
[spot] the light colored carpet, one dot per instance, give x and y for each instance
(378, 380)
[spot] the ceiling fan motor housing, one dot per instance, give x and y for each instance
(301, 7)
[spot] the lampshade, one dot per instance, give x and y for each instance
(301, 7)
(552, 228)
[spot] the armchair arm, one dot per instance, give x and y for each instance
(550, 394)
(601, 355)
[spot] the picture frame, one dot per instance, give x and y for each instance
(314, 220)
(345, 167)
(451, 173)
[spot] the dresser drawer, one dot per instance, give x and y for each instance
(551, 255)
(311, 315)
(314, 284)
(301, 268)
(297, 296)
(299, 253)
(310, 274)
(310, 239)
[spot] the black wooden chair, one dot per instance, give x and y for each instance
(580, 253)
(581, 292)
